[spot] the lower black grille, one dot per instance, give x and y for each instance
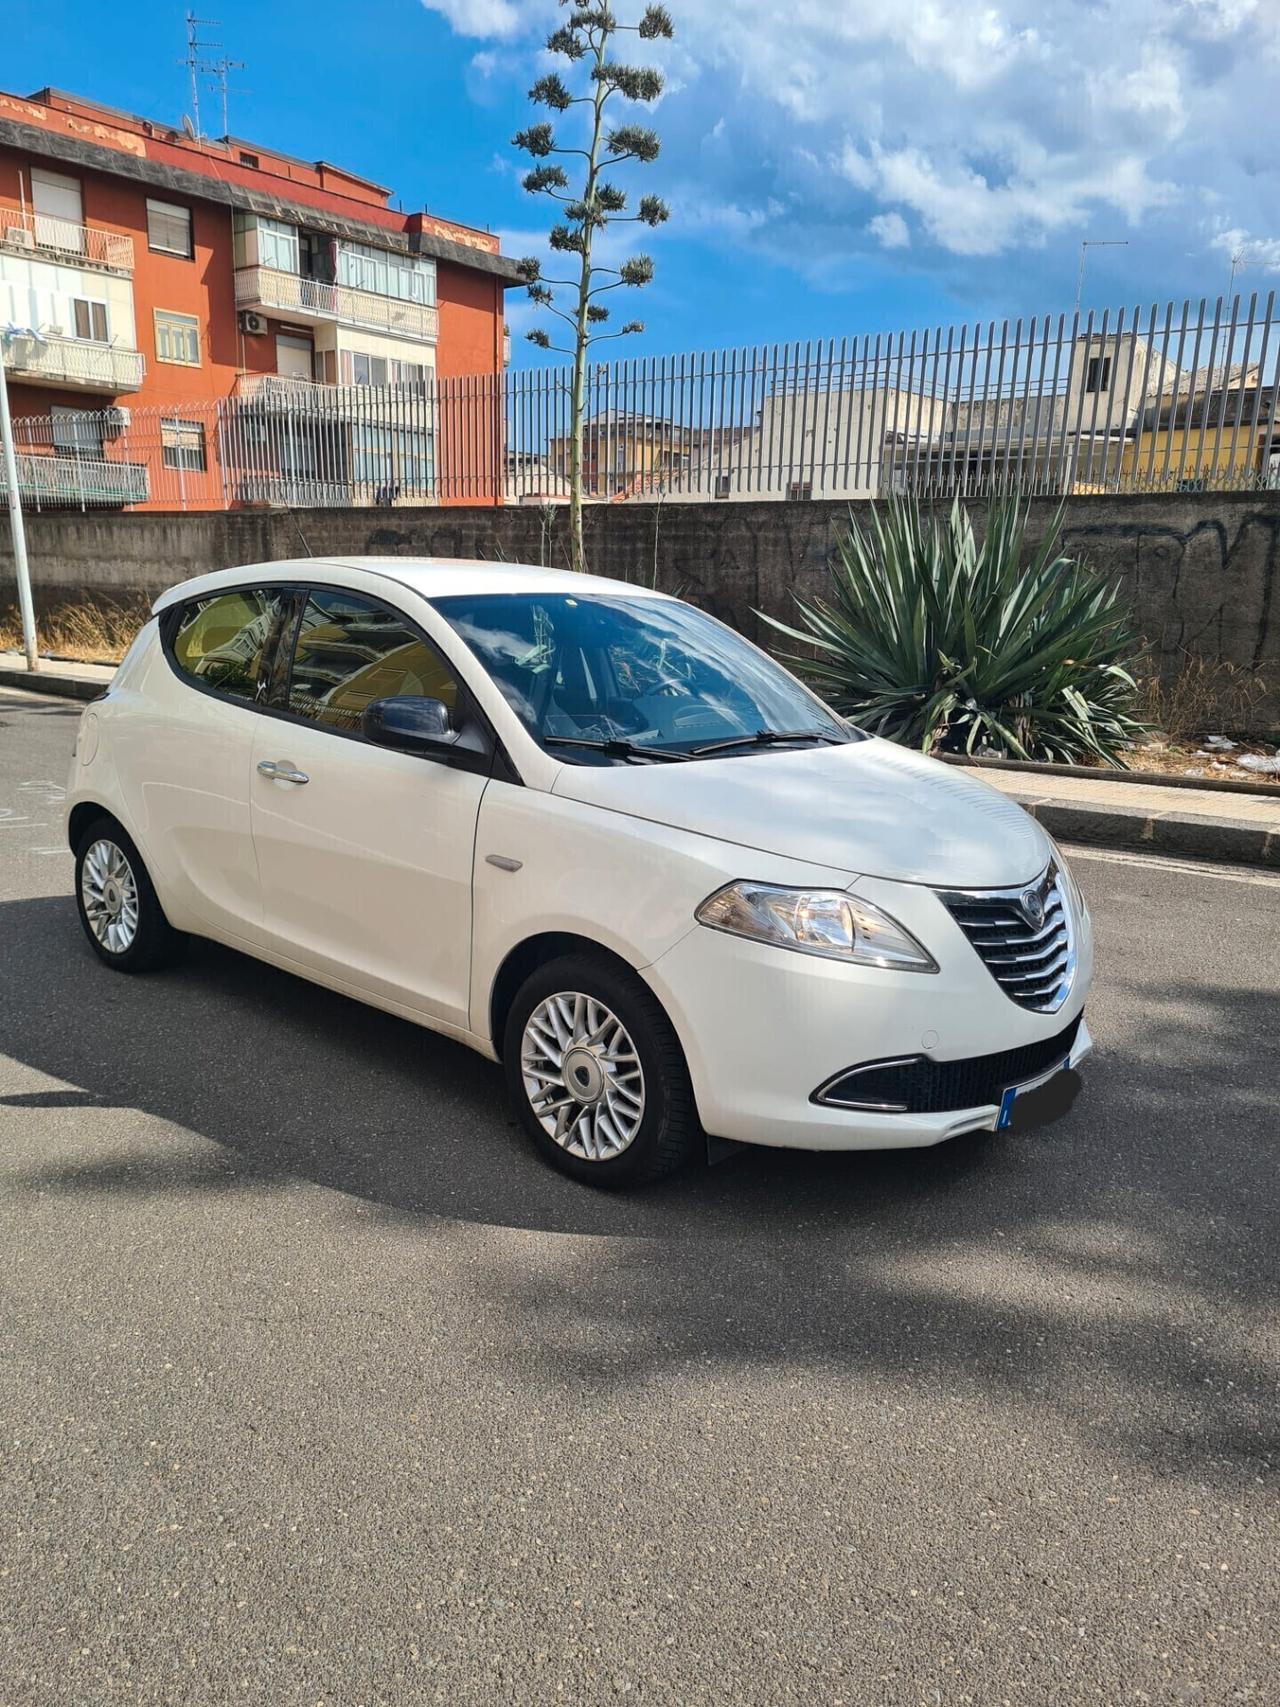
(1023, 937)
(917, 1085)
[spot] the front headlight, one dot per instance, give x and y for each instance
(826, 922)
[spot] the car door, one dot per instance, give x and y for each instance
(194, 752)
(364, 853)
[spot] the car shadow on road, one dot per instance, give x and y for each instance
(1127, 1252)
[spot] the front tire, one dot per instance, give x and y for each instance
(118, 905)
(596, 1073)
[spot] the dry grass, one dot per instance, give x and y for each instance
(88, 631)
(1204, 697)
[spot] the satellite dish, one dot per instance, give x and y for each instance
(188, 127)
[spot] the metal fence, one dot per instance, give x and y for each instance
(1163, 398)
(1170, 397)
(278, 442)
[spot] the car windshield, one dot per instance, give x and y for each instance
(608, 679)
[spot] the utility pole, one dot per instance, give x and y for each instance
(1095, 243)
(16, 528)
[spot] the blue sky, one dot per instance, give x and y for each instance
(833, 168)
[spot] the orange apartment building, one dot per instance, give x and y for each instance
(213, 322)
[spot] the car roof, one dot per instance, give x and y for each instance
(431, 577)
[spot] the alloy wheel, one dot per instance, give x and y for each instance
(109, 891)
(582, 1075)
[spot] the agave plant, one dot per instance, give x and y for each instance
(938, 641)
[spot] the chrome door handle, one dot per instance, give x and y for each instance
(282, 771)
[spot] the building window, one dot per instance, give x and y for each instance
(59, 211)
(722, 485)
(277, 246)
(177, 338)
(361, 369)
(182, 444)
(248, 159)
(315, 256)
(169, 228)
(1097, 373)
(798, 491)
(90, 320)
(410, 278)
(293, 356)
(77, 432)
(407, 373)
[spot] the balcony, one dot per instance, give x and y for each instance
(408, 404)
(281, 390)
(62, 240)
(317, 304)
(57, 480)
(54, 360)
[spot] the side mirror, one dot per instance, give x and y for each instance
(410, 725)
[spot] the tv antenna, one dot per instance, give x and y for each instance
(1239, 259)
(214, 70)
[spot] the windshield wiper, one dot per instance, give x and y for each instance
(765, 738)
(614, 748)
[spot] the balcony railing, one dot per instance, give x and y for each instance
(46, 235)
(54, 360)
(66, 478)
(280, 388)
(316, 402)
(310, 299)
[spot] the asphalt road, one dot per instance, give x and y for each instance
(317, 1387)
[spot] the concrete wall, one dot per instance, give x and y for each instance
(1200, 569)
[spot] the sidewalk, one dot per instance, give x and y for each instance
(68, 681)
(1187, 823)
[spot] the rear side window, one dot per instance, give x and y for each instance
(224, 642)
(350, 651)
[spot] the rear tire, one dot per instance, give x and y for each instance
(119, 909)
(596, 1074)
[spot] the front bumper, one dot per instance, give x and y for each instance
(763, 1029)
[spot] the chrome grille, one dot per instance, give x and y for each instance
(1024, 937)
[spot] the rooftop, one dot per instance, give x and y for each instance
(91, 134)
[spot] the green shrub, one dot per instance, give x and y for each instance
(936, 641)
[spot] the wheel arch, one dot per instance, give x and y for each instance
(84, 813)
(525, 958)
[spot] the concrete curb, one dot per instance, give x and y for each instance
(1181, 835)
(44, 681)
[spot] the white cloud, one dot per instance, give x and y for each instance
(483, 18)
(889, 230)
(973, 129)
(1258, 253)
(1220, 17)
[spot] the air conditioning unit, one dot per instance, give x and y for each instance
(18, 237)
(116, 420)
(254, 324)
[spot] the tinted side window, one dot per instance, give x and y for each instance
(350, 651)
(224, 641)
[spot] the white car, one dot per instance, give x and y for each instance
(592, 833)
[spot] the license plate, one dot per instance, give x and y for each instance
(1042, 1100)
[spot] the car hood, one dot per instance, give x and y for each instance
(865, 807)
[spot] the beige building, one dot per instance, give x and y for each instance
(968, 428)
